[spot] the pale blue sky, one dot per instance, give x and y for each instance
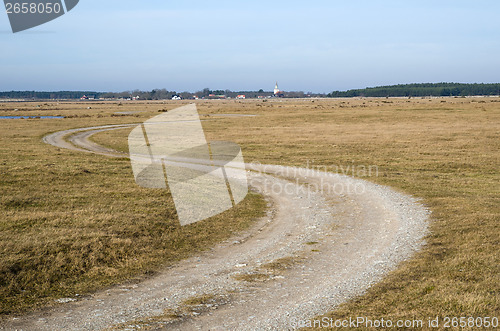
(318, 46)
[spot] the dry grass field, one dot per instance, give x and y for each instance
(74, 222)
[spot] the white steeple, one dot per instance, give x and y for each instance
(276, 89)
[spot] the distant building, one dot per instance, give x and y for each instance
(176, 97)
(217, 96)
(241, 96)
(277, 92)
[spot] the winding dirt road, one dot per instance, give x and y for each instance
(330, 237)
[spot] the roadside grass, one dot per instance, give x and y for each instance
(63, 209)
(72, 223)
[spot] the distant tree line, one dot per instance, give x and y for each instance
(33, 95)
(206, 93)
(405, 90)
(421, 90)
(156, 94)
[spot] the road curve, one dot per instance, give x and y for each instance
(343, 233)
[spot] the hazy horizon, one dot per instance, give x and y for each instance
(312, 47)
(232, 90)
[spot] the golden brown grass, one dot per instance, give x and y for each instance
(445, 151)
(72, 223)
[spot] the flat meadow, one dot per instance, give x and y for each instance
(73, 223)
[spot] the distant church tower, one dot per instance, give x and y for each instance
(276, 89)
